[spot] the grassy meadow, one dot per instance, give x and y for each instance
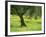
(32, 24)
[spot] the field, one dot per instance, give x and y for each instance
(32, 24)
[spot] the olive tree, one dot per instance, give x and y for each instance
(20, 11)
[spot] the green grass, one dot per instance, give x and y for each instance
(32, 24)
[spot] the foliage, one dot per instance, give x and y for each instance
(26, 10)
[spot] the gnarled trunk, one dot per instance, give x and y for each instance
(22, 21)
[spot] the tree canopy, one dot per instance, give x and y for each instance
(26, 10)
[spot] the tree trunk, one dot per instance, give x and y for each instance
(22, 21)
